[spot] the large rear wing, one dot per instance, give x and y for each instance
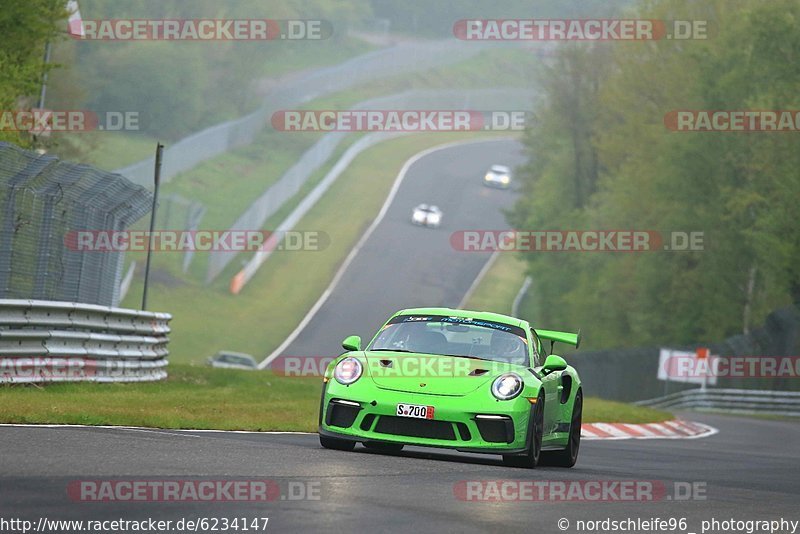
(561, 337)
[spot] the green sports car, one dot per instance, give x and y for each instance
(472, 381)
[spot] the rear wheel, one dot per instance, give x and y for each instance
(381, 446)
(337, 444)
(568, 456)
(535, 429)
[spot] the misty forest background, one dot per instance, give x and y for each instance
(600, 155)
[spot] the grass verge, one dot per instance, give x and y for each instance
(205, 398)
(500, 285)
(209, 318)
(227, 184)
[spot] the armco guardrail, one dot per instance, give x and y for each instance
(251, 267)
(220, 138)
(52, 341)
(743, 401)
(315, 157)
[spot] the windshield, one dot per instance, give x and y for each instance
(454, 336)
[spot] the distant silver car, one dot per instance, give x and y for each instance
(427, 215)
(498, 176)
(232, 360)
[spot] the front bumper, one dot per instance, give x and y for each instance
(426, 222)
(497, 184)
(475, 422)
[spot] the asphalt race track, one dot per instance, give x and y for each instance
(404, 266)
(748, 471)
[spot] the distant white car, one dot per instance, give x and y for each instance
(426, 215)
(498, 176)
(232, 360)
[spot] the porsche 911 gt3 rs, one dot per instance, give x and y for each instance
(471, 381)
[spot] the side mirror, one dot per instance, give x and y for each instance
(352, 343)
(554, 363)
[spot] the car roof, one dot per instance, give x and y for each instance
(481, 315)
(499, 168)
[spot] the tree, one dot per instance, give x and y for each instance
(26, 26)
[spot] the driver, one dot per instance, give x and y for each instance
(505, 346)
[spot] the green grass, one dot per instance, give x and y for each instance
(606, 411)
(297, 56)
(111, 150)
(207, 319)
(500, 285)
(105, 150)
(205, 398)
(192, 397)
(497, 67)
(118, 149)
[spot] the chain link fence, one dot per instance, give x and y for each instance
(43, 200)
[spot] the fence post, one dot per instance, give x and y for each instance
(157, 180)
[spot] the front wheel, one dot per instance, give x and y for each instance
(336, 444)
(535, 429)
(569, 455)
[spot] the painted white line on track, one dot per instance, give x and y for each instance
(160, 430)
(590, 431)
(611, 429)
(357, 248)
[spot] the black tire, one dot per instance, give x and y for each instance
(381, 446)
(336, 444)
(569, 455)
(530, 459)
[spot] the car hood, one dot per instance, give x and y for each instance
(433, 374)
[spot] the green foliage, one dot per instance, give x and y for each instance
(608, 102)
(179, 87)
(205, 398)
(26, 26)
(436, 18)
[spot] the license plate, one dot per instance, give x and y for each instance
(415, 410)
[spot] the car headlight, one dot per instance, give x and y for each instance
(347, 371)
(504, 179)
(507, 386)
(419, 216)
(433, 219)
(488, 177)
